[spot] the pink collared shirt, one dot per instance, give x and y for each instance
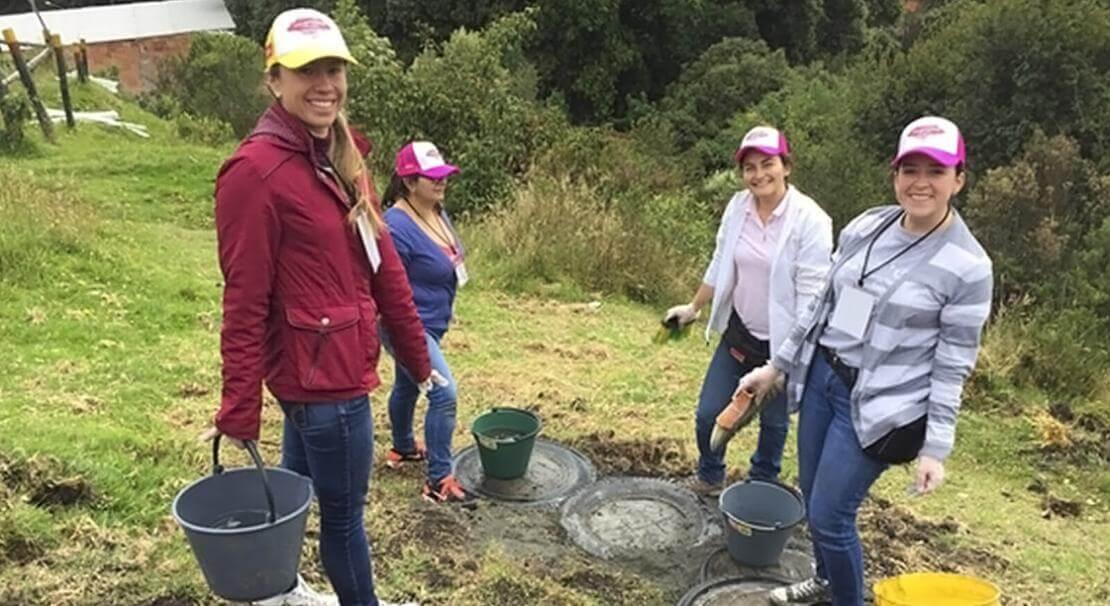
(753, 255)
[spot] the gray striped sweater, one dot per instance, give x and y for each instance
(922, 341)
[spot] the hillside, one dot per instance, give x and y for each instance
(110, 319)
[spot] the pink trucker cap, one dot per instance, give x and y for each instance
(764, 139)
(422, 158)
(935, 137)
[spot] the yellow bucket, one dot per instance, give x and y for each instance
(935, 589)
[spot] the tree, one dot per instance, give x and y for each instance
(253, 17)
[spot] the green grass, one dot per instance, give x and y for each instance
(111, 368)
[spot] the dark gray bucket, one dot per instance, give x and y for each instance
(759, 517)
(246, 527)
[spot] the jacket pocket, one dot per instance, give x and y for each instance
(326, 347)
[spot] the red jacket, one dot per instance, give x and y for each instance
(301, 305)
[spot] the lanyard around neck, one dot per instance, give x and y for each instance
(864, 273)
(443, 235)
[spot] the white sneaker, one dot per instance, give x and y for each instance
(809, 590)
(301, 595)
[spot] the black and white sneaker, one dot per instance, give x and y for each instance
(806, 592)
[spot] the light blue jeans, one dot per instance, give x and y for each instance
(835, 476)
(716, 392)
(439, 420)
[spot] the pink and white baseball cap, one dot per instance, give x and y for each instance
(763, 139)
(422, 158)
(935, 137)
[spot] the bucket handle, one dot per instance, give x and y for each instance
(217, 469)
(746, 527)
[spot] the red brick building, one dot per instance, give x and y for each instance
(132, 38)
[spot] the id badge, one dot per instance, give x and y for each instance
(853, 311)
(369, 244)
(460, 273)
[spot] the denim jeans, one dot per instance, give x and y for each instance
(439, 420)
(716, 392)
(835, 475)
(333, 443)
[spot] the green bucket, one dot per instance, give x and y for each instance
(505, 438)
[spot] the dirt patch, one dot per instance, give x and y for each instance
(593, 351)
(606, 586)
(44, 482)
(660, 457)
(896, 541)
(193, 390)
(19, 550)
(65, 493)
(1055, 506)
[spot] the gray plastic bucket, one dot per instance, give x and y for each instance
(245, 527)
(759, 517)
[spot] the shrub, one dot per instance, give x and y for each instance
(1034, 215)
(220, 78)
(558, 230)
(728, 77)
(203, 130)
(15, 112)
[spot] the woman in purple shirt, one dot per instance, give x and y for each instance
(433, 256)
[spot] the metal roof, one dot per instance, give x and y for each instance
(123, 21)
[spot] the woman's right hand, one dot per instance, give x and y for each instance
(761, 381)
(211, 434)
(684, 314)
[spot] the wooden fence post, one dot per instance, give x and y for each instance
(55, 42)
(29, 84)
(83, 66)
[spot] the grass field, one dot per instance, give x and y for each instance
(110, 312)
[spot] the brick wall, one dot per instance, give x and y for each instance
(137, 60)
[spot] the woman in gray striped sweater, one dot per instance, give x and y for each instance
(878, 365)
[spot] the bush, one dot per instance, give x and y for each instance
(37, 226)
(15, 111)
(1034, 216)
(1002, 70)
(203, 130)
(220, 78)
(558, 231)
(728, 77)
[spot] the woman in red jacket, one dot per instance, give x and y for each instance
(309, 271)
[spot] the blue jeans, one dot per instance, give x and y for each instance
(439, 420)
(835, 475)
(333, 443)
(716, 392)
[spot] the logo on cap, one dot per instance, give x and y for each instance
(308, 25)
(925, 131)
(432, 153)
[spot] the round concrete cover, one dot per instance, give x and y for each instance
(553, 473)
(794, 565)
(734, 591)
(625, 517)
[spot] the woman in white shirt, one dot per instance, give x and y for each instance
(773, 250)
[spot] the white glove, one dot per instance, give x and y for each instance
(762, 380)
(434, 380)
(685, 314)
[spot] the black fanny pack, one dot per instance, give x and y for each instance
(900, 445)
(743, 345)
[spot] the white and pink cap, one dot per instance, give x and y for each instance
(763, 139)
(422, 158)
(935, 137)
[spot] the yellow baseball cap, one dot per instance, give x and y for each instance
(302, 35)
